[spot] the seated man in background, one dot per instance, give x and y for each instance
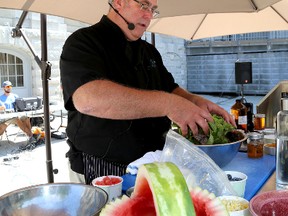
(7, 102)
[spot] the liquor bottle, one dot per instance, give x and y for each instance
(239, 111)
(282, 146)
(284, 101)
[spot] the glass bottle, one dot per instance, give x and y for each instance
(282, 145)
(284, 100)
(239, 111)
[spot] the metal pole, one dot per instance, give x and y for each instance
(46, 72)
(45, 67)
(17, 32)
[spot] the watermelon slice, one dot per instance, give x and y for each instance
(161, 190)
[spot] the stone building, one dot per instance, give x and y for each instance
(17, 62)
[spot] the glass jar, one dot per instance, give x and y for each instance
(255, 143)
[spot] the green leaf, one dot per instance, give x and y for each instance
(210, 140)
(218, 130)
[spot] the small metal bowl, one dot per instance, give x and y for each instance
(69, 199)
(270, 148)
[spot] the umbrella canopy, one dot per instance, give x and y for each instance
(272, 18)
(90, 11)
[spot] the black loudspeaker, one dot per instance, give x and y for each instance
(243, 72)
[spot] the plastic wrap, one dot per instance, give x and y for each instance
(197, 167)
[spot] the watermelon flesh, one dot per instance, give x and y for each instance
(161, 190)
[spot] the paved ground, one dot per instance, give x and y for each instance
(20, 168)
(29, 167)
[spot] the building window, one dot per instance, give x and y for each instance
(11, 68)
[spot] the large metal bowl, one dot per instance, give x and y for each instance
(222, 154)
(56, 199)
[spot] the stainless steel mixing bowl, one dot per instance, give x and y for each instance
(55, 199)
(222, 154)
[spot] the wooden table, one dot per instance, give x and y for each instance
(31, 113)
(269, 185)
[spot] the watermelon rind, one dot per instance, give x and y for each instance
(207, 203)
(169, 189)
(161, 190)
(109, 209)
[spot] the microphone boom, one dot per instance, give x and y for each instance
(131, 26)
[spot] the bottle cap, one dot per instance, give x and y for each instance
(284, 94)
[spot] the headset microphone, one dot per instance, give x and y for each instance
(131, 26)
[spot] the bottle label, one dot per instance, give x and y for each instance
(242, 120)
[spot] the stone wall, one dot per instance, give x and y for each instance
(173, 54)
(211, 68)
(58, 29)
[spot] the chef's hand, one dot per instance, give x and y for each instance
(215, 109)
(188, 115)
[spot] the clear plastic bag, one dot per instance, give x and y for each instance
(197, 167)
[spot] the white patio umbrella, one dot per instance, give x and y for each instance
(272, 18)
(90, 11)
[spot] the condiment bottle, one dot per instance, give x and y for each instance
(284, 100)
(255, 143)
(282, 146)
(239, 111)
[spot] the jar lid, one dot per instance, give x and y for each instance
(255, 135)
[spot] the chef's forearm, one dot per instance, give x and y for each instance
(106, 99)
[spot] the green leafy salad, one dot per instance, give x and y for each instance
(220, 132)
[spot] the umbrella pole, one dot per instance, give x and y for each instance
(45, 67)
(46, 72)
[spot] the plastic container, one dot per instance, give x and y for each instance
(236, 206)
(113, 190)
(239, 186)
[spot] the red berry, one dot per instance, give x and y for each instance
(99, 182)
(115, 180)
(107, 180)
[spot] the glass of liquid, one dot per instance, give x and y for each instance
(259, 121)
(282, 163)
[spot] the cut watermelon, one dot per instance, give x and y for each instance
(161, 190)
(205, 203)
